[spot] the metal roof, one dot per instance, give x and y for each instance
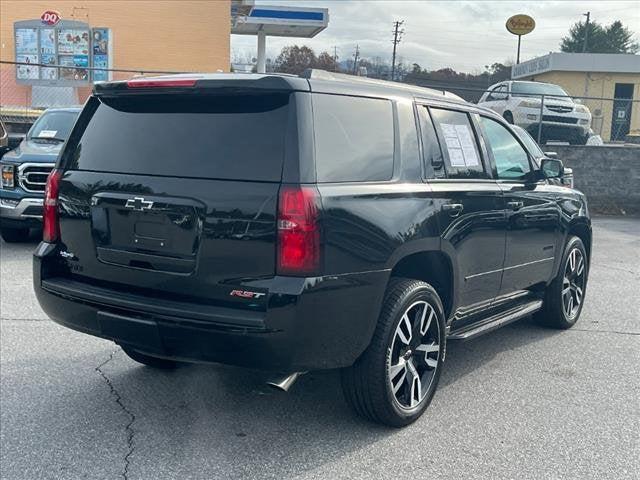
(578, 62)
(280, 21)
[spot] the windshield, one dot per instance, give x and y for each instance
(532, 88)
(528, 141)
(54, 126)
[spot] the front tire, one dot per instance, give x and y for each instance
(395, 379)
(508, 116)
(149, 361)
(564, 297)
(14, 235)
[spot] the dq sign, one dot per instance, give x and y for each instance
(50, 17)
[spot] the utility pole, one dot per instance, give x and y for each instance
(355, 60)
(586, 31)
(397, 38)
(335, 58)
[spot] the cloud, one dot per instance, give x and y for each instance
(464, 35)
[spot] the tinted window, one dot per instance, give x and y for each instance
(434, 163)
(511, 159)
(528, 141)
(459, 145)
(353, 138)
(52, 125)
(231, 137)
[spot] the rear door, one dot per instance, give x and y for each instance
(471, 218)
(174, 193)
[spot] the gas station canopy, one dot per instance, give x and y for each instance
(279, 21)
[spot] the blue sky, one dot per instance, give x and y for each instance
(465, 35)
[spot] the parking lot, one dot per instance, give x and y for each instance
(523, 402)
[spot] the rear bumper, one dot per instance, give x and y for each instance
(308, 324)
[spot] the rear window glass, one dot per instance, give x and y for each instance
(353, 138)
(231, 137)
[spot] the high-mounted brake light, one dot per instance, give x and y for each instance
(50, 220)
(298, 231)
(161, 83)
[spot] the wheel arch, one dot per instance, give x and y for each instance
(433, 267)
(582, 230)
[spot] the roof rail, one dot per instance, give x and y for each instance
(317, 74)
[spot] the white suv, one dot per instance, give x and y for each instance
(519, 103)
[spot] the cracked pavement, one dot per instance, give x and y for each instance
(522, 402)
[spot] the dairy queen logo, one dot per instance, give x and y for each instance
(50, 17)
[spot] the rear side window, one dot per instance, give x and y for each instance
(353, 138)
(459, 144)
(227, 137)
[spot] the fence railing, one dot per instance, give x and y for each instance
(543, 116)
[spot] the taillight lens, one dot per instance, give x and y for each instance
(50, 224)
(298, 231)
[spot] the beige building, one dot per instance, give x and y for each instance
(180, 35)
(611, 83)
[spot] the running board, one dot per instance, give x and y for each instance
(496, 321)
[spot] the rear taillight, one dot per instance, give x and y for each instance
(50, 225)
(298, 231)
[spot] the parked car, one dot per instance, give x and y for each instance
(4, 139)
(390, 219)
(519, 103)
(538, 155)
(25, 170)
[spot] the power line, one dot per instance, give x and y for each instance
(586, 31)
(397, 38)
(355, 60)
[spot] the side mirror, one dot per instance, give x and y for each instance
(551, 154)
(552, 168)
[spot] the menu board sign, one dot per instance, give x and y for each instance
(71, 47)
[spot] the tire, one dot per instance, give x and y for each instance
(369, 383)
(559, 309)
(580, 140)
(508, 116)
(14, 235)
(149, 361)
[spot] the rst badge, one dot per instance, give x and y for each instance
(246, 294)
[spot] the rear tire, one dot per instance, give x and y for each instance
(564, 297)
(14, 235)
(149, 361)
(395, 379)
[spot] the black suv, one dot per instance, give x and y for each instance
(301, 223)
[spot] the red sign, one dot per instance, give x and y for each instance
(50, 17)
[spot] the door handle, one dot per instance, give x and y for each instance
(454, 209)
(515, 205)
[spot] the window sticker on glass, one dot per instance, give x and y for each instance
(47, 133)
(460, 145)
(456, 157)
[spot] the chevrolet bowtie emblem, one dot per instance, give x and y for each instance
(139, 204)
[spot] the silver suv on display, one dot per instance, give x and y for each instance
(519, 102)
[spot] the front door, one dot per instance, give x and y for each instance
(532, 214)
(621, 120)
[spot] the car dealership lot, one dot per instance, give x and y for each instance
(522, 402)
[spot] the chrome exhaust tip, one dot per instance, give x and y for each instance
(284, 382)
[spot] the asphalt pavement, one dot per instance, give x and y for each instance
(523, 402)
